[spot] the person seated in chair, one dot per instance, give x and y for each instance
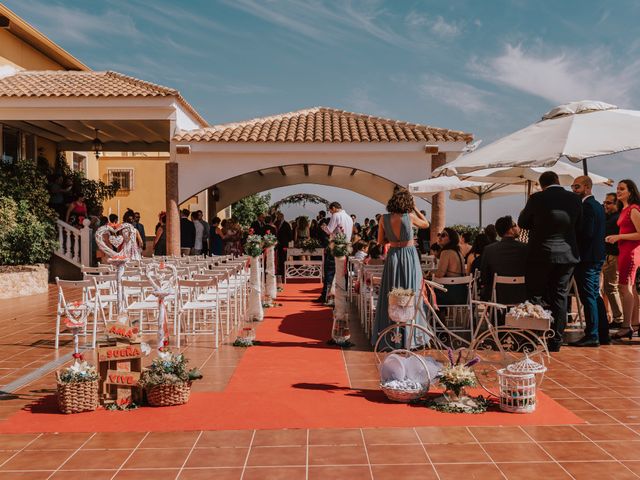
(506, 258)
(451, 264)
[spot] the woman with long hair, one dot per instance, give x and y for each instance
(628, 240)
(301, 234)
(402, 264)
(451, 264)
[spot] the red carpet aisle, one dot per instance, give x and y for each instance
(291, 380)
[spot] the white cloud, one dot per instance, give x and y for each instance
(564, 76)
(360, 101)
(437, 26)
(458, 95)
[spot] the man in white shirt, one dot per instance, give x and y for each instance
(200, 232)
(340, 222)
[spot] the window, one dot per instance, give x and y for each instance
(10, 144)
(80, 163)
(124, 177)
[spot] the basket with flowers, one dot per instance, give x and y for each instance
(167, 380)
(402, 305)
(77, 388)
(340, 245)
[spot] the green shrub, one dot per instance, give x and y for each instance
(26, 236)
(474, 231)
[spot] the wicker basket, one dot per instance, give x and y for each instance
(78, 397)
(168, 395)
(404, 395)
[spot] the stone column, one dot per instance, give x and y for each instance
(173, 209)
(438, 208)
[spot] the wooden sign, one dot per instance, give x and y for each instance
(118, 330)
(119, 352)
(126, 379)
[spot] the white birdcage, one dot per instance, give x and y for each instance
(517, 391)
(527, 365)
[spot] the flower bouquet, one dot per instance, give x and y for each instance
(310, 244)
(269, 239)
(340, 245)
(253, 246)
(528, 316)
(402, 306)
(77, 388)
(167, 380)
(455, 378)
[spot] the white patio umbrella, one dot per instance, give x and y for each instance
(530, 175)
(463, 190)
(577, 131)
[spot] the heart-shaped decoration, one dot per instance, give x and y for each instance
(76, 315)
(162, 276)
(116, 241)
(109, 236)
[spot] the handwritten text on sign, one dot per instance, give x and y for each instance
(119, 353)
(122, 331)
(128, 379)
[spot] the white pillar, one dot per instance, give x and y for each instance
(270, 284)
(340, 330)
(255, 311)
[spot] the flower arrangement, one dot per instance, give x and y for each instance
(168, 369)
(253, 246)
(310, 244)
(269, 239)
(456, 376)
(80, 371)
(340, 245)
(528, 309)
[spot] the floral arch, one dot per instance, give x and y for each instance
(300, 198)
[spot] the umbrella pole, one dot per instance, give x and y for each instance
(480, 211)
(585, 169)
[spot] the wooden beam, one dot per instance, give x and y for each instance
(306, 170)
(111, 128)
(260, 173)
(78, 127)
(330, 172)
(431, 149)
(353, 172)
(118, 147)
(26, 126)
(284, 174)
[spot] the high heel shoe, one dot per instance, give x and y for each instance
(626, 333)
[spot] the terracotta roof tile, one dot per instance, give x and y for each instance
(61, 83)
(324, 125)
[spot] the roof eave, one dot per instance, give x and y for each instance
(30, 35)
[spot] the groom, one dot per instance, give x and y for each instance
(340, 222)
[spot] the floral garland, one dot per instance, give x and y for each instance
(340, 246)
(269, 239)
(302, 198)
(253, 246)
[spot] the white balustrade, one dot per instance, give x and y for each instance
(74, 244)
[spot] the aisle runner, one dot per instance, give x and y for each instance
(292, 380)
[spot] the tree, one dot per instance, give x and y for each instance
(248, 209)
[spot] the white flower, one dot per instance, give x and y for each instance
(165, 356)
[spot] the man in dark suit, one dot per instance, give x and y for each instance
(285, 235)
(187, 233)
(259, 226)
(553, 218)
(587, 272)
(508, 258)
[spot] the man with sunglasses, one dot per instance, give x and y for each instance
(610, 267)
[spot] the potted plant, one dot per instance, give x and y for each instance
(167, 381)
(77, 388)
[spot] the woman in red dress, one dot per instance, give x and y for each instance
(629, 259)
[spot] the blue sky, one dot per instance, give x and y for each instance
(488, 67)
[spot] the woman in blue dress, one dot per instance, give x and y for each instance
(402, 264)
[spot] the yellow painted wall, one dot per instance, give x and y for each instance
(17, 53)
(48, 147)
(148, 194)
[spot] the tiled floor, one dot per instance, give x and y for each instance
(601, 386)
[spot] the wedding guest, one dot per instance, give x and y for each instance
(215, 237)
(491, 232)
(465, 244)
(232, 237)
(285, 235)
(474, 257)
(628, 241)
(360, 250)
(139, 226)
(587, 273)
(160, 240)
(340, 222)
(187, 233)
(76, 212)
(610, 267)
(451, 264)
(507, 258)
(402, 267)
(553, 218)
(302, 233)
(205, 237)
(200, 232)
(423, 237)
(258, 225)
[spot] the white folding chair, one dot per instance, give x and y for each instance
(201, 301)
(458, 317)
(504, 280)
(88, 298)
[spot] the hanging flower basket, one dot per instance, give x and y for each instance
(402, 307)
